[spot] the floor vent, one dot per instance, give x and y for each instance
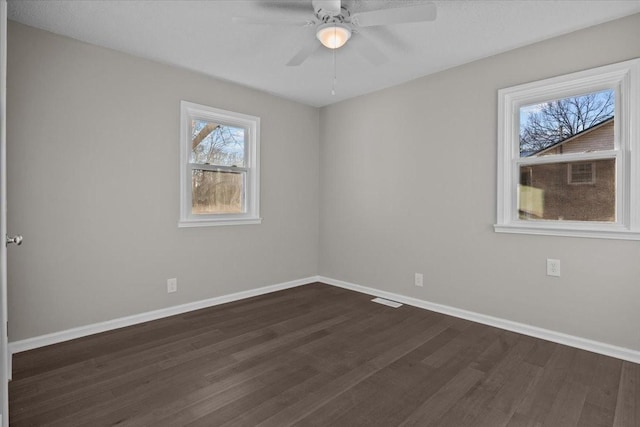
(387, 302)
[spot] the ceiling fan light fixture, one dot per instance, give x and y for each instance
(333, 36)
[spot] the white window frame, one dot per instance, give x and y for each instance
(624, 78)
(190, 111)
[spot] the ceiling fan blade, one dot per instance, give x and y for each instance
(310, 46)
(270, 21)
(288, 5)
(396, 15)
(368, 50)
(381, 35)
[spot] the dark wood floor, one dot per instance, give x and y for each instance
(319, 356)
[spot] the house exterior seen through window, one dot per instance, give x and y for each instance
(219, 167)
(568, 158)
(568, 191)
(218, 172)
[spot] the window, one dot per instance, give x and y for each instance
(219, 173)
(568, 155)
(582, 173)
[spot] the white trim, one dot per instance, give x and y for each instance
(221, 221)
(568, 158)
(624, 78)
(83, 331)
(560, 230)
(5, 358)
(521, 328)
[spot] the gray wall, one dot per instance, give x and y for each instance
(93, 187)
(408, 184)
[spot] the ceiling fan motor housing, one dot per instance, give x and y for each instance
(329, 11)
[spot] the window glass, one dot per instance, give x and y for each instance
(217, 144)
(556, 128)
(576, 124)
(217, 192)
(549, 191)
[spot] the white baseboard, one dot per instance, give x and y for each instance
(83, 331)
(521, 328)
(546, 334)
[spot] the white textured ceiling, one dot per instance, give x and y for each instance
(200, 36)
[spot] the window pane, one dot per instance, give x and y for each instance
(582, 173)
(217, 144)
(576, 191)
(217, 192)
(576, 124)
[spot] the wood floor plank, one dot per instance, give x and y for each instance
(504, 404)
(163, 405)
(319, 355)
(475, 407)
(604, 377)
(417, 380)
(595, 416)
(266, 409)
(313, 401)
(82, 410)
(520, 420)
(438, 404)
(228, 376)
(567, 405)
(291, 375)
(355, 347)
(628, 406)
(202, 412)
(537, 403)
(105, 369)
(388, 386)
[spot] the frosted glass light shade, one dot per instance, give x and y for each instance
(333, 36)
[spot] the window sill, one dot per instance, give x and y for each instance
(613, 232)
(218, 222)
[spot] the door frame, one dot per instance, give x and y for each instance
(4, 350)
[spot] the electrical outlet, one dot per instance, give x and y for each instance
(172, 285)
(418, 280)
(553, 267)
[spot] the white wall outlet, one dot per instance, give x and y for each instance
(172, 285)
(553, 267)
(418, 280)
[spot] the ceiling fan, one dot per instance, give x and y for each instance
(335, 21)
